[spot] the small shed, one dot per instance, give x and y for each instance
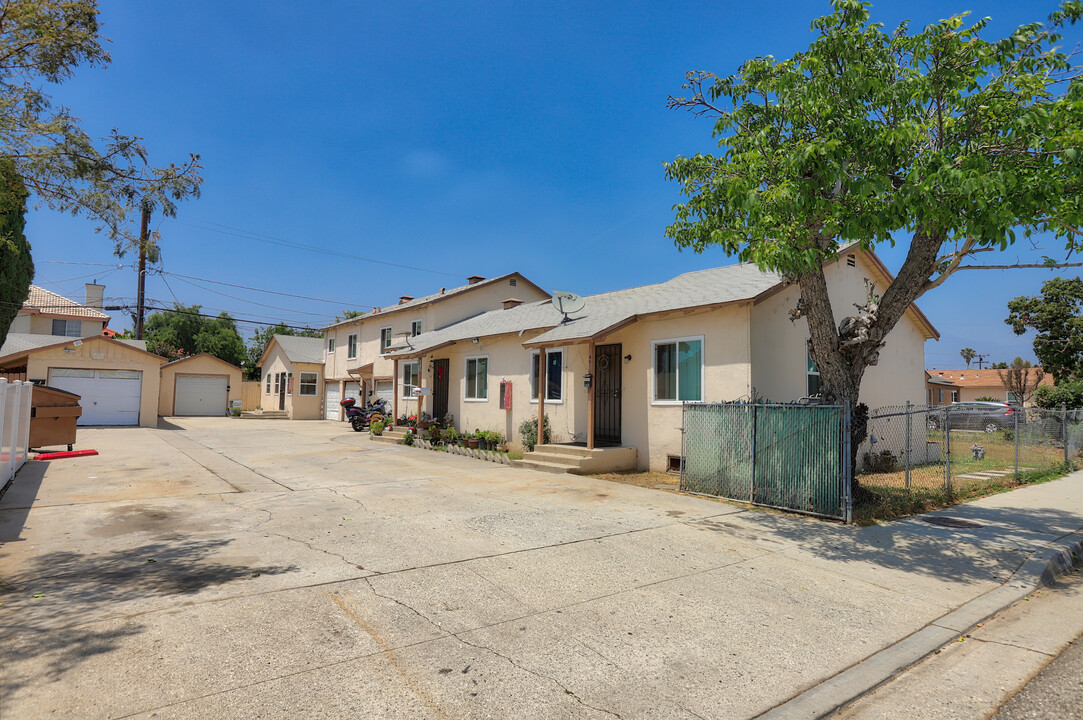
(199, 385)
(53, 415)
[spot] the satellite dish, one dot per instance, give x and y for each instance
(567, 303)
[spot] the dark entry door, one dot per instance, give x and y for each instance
(607, 369)
(281, 391)
(440, 370)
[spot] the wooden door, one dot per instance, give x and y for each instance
(607, 391)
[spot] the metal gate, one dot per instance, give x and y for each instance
(607, 391)
(791, 457)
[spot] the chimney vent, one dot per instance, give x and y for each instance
(512, 302)
(94, 295)
(405, 299)
(474, 279)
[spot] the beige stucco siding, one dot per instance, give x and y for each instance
(43, 325)
(779, 361)
(298, 407)
(100, 354)
(200, 365)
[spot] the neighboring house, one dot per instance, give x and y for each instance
(712, 335)
(117, 380)
(46, 313)
(292, 372)
(356, 350)
(971, 384)
(940, 391)
(198, 385)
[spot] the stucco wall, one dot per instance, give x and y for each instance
(779, 362)
(298, 407)
(43, 325)
(100, 354)
(200, 365)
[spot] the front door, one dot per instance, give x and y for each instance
(440, 369)
(607, 370)
(281, 391)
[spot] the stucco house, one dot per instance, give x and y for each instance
(972, 383)
(198, 385)
(292, 376)
(356, 351)
(46, 313)
(711, 335)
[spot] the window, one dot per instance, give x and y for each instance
(410, 378)
(477, 378)
(940, 396)
(813, 385)
(278, 382)
(955, 396)
(1012, 399)
(678, 370)
(351, 346)
(68, 328)
(268, 384)
(308, 383)
(330, 344)
(415, 328)
(385, 339)
(554, 375)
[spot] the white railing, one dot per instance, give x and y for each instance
(14, 427)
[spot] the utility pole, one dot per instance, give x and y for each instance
(981, 359)
(139, 301)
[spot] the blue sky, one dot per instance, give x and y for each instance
(454, 138)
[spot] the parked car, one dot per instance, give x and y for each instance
(987, 416)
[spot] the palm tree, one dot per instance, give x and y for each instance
(968, 355)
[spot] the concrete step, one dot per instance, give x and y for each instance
(542, 466)
(265, 415)
(570, 450)
(552, 458)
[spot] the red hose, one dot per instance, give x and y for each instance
(68, 454)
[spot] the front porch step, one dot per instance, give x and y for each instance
(539, 466)
(390, 437)
(577, 459)
(264, 415)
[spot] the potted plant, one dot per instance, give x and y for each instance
(376, 428)
(473, 441)
(498, 442)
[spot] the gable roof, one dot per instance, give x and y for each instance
(417, 302)
(19, 344)
(44, 302)
(296, 349)
(199, 355)
(974, 378)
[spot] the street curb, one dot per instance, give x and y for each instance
(1041, 568)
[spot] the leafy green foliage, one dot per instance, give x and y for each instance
(1066, 392)
(987, 398)
(259, 341)
(183, 331)
(1057, 316)
(528, 429)
(16, 264)
(968, 354)
(941, 134)
(44, 41)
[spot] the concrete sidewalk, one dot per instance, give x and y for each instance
(214, 568)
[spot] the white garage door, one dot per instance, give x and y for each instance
(354, 390)
(330, 401)
(200, 395)
(384, 391)
(108, 397)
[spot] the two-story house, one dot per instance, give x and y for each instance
(356, 350)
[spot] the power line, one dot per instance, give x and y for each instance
(252, 302)
(270, 239)
(269, 292)
(213, 317)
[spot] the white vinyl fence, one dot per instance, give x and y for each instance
(14, 427)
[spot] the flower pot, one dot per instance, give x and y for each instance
(472, 443)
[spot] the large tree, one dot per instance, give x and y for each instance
(1057, 316)
(16, 265)
(184, 330)
(968, 354)
(939, 139)
(42, 42)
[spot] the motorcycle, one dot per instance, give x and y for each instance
(361, 418)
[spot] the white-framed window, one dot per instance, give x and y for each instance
(278, 382)
(415, 328)
(1012, 399)
(411, 376)
(309, 380)
(554, 375)
(812, 379)
(385, 340)
(955, 396)
(351, 346)
(331, 344)
(68, 328)
(477, 378)
(268, 383)
(678, 369)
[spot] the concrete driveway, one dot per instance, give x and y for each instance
(218, 568)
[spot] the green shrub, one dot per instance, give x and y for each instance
(1067, 392)
(377, 427)
(409, 439)
(529, 432)
(987, 398)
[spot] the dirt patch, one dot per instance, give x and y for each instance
(654, 480)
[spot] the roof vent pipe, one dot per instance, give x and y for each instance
(474, 279)
(512, 302)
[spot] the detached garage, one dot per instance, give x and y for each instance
(117, 380)
(199, 385)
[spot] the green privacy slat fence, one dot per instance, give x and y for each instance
(791, 457)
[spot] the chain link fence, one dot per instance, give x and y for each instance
(791, 457)
(950, 446)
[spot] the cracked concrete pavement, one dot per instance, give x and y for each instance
(273, 569)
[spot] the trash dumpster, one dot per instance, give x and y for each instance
(53, 414)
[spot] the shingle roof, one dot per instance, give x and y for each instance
(301, 349)
(974, 378)
(17, 343)
(49, 303)
(430, 298)
(603, 311)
